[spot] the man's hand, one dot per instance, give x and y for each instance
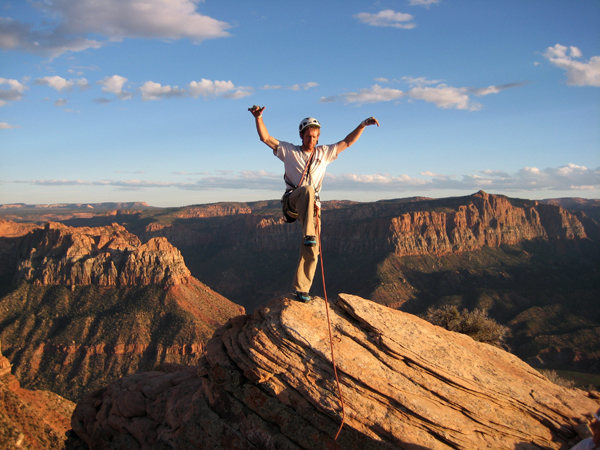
(256, 111)
(370, 121)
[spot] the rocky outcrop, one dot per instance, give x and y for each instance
(461, 224)
(92, 304)
(102, 256)
(267, 381)
(31, 419)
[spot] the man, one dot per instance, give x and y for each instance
(304, 172)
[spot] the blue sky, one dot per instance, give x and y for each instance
(147, 100)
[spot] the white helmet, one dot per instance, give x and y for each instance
(308, 122)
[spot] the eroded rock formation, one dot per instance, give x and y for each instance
(92, 304)
(266, 381)
(102, 256)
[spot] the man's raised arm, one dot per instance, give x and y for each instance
(355, 134)
(263, 134)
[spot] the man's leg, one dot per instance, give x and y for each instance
(303, 201)
(307, 265)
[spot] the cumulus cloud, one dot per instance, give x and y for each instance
(293, 87)
(20, 36)
(450, 97)
(571, 177)
(216, 88)
(153, 91)
(72, 21)
(60, 83)
(387, 18)
(6, 126)
(374, 94)
(445, 96)
(13, 92)
(432, 91)
(114, 85)
(579, 73)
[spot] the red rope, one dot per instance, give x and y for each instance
(339, 388)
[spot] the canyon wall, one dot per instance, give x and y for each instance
(91, 304)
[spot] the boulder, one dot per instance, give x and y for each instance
(267, 381)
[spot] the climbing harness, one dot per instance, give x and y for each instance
(337, 380)
(289, 215)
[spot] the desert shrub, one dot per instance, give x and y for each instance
(476, 324)
(557, 379)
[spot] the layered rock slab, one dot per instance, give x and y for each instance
(266, 381)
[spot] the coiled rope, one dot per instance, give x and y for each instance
(339, 388)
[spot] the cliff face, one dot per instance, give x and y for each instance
(439, 227)
(102, 256)
(88, 305)
(31, 419)
(266, 381)
(257, 251)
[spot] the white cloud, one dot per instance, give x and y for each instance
(420, 81)
(293, 87)
(153, 91)
(172, 19)
(579, 73)
(433, 91)
(60, 83)
(73, 21)
(19, 36)
(444, 96)
(210, 88)
(571, 177)
(374, 94)
(114, 85)
(304, 86)
(387, 18)
(6, 126)
(13, 93)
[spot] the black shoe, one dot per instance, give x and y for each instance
(303, 297)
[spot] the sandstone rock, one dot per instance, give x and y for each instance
(103, 256)
(266, 381)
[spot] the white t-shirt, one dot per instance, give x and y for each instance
(295, 160)
(586, 444)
